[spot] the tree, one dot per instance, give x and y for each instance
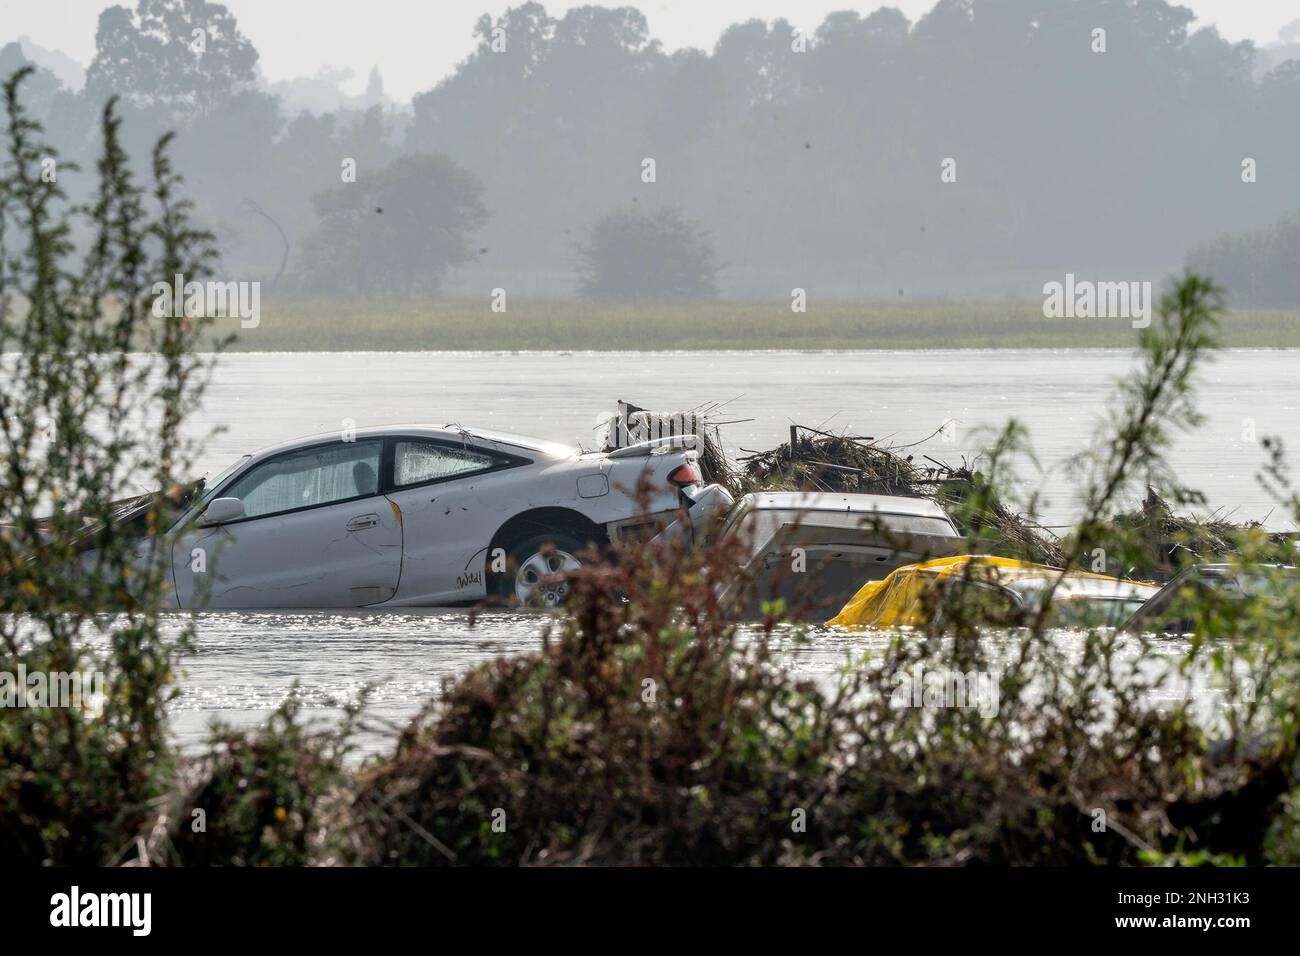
(660, 255)
(399, 229)
(181, 56)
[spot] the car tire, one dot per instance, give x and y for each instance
(529, 565)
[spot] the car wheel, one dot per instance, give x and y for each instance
(533, 568)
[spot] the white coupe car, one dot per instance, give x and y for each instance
(418, 515)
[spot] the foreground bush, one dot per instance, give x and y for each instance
(637, 737)
(645, 731)
(80, 416)
(257, 799)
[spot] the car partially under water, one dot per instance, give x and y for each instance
(1173, 610)
(418, 515)
(1006, 591)
(810, 551)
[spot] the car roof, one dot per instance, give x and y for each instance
(1287, 569)
(842, 502)
(441, 433)
(1217, 571)
(1085, 586)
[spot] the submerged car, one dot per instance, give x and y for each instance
(1170, 610)
(812, 550)
(1009, 592)
(418, 516)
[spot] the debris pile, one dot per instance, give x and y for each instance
(634, 424)
(814, 460)
(1176, 541)
(1007, 533)
(821, 461)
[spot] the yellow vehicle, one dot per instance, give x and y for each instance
(1011, 592)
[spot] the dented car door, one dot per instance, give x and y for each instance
(316, 532)
(451, 497)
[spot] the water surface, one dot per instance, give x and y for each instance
(244, 665)
(903, 396)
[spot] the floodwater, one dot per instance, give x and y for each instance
(1061, 395)
(243, 665)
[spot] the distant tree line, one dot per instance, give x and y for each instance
(966, 153)
(1261, 267)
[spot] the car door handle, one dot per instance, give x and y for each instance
(361, 522)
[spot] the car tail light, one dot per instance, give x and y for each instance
(684, 475)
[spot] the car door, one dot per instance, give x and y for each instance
(451, 500)
(316, 532)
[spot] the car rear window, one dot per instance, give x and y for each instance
(759, 525)
(769, 519)
(418, 461)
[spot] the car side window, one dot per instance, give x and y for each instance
(314, 476)
(419, 461)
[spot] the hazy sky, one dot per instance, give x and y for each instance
(416, 42)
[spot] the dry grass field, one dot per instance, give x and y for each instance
(293, 324)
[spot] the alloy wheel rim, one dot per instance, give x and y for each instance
(540, 580)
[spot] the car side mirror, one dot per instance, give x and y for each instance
(221, 510)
